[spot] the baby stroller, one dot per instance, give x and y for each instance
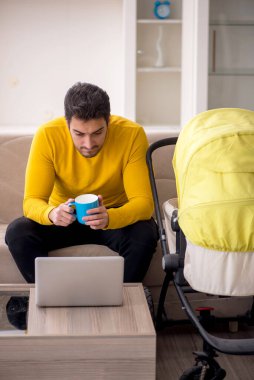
(213, 223)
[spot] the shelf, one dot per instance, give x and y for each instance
(231, 23)
(158, 69)
(165, 129)
(232, 72)
(159, 22)
(162, 130)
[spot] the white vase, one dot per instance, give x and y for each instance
(160, 59)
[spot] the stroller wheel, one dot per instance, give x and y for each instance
(203, 372)
(197, 373)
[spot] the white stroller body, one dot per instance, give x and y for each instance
(210, 271)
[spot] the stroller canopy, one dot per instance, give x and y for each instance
(214, 170)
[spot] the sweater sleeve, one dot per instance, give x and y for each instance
(39, 180)
(137, 187)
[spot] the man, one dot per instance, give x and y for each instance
(88, 151)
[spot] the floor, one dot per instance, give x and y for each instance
(175, 346)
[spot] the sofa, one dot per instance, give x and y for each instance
(14, 149)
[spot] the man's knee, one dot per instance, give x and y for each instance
(139, 243)
(17, 229)
(145, 233)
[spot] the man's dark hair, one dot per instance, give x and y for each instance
(86, 101)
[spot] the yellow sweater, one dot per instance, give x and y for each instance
(56, 171)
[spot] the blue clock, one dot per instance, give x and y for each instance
(161, 9)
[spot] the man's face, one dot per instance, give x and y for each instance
(88, 136)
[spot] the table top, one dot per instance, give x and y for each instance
(131, 319)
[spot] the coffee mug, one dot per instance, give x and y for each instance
(83, 203)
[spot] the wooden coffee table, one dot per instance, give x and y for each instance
(79, 343)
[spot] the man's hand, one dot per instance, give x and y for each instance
(63, 214)
(99, 219)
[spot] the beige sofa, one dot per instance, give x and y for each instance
(14, 151)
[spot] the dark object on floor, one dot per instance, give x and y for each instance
(149, 300)
(16, 310)
(206, 368)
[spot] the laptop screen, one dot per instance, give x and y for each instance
(79, 281)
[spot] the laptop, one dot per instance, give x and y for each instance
(79, 281)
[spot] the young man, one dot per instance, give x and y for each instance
(87, 151)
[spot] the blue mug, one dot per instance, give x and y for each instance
(83, 203)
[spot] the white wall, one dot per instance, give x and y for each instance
(46, 46)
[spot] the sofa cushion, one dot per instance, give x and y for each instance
(14, 152)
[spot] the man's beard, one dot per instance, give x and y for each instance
(89, 153)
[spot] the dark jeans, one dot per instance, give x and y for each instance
(137, 242)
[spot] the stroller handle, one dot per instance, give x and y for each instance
(149, 161)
